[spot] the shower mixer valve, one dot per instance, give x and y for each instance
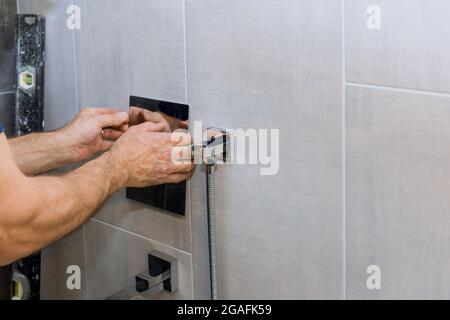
(162, 275)
(215, 150)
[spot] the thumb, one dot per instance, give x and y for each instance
(116, 119)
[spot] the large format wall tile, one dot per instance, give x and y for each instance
(167, 228)
(411, 49)
(54, 265)
(133, 48)
(130, 48)
(8, 10)
(271, 64)
(60, 81)
(398, 182)
(115, 256)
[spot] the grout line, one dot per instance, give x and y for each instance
(185, 52)
(77, 99)
(189, 183)
(344, 161)
(77, 102)
(141, 236)
(86, 268)
(398, 89)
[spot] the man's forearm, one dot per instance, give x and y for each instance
(40, 152)
(54, 206)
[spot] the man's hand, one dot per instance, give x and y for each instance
(138, 116)
(93, 131)
(144, 155)
(170, 124)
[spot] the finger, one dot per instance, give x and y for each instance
(106, 145)
(182, 154)
(173, 122)
(152, 116)
(184, 125)
(157, 118)
(105, 110)
(133, 113)
(99, 111)
(183, 168)
(112, 134)
(181, 138)
(151, 127)
(138, 116)
(116, 119)
(124, 127)
(177, 178)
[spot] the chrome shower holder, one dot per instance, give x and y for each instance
(216, 150)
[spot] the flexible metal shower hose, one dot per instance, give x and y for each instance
(211, 204)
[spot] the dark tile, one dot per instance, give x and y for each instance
(7, 26)
(4, 283)
(7, 112)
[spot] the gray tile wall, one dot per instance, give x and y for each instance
(115, 256)
(410, 50)
(376, 98)
(124, 50)
(267, 64)
(398, 180)
(397, 121)
(130, 48)
(121, 50)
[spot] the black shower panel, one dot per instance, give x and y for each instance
(168, 197)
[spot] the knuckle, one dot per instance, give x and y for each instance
(115, 117)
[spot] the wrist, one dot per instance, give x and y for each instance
(40, 152)
(119, 177)
(69, 146)
(65, 147)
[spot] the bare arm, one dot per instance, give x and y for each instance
(41, 152)
(92, 131)
(37, 211)
(79, 140)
